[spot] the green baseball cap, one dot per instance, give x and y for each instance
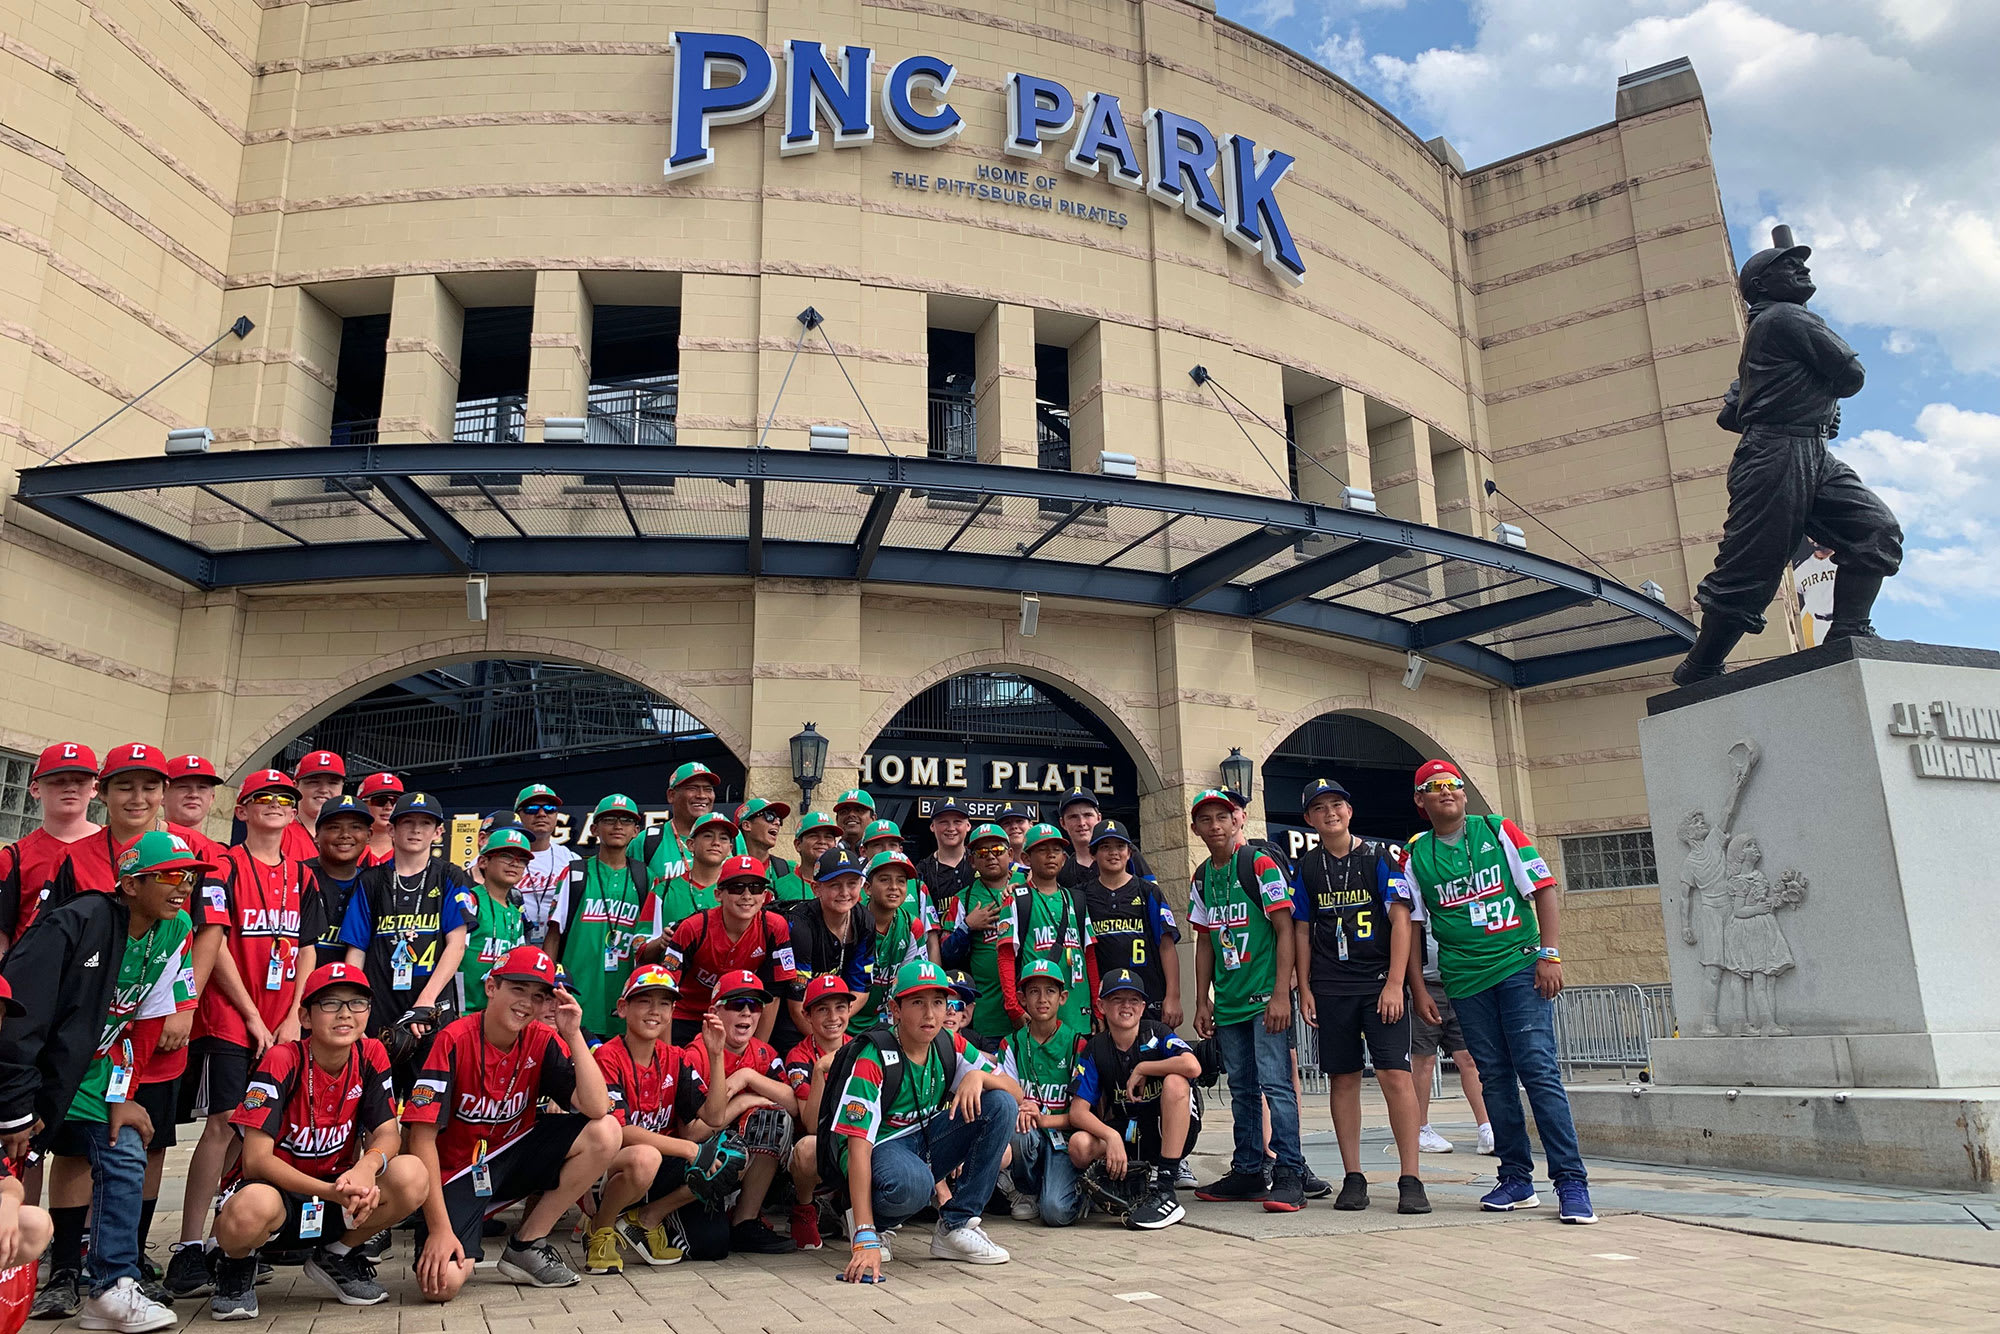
(890, 857)
(986, 832)
(854, 796)
(1046, 971)
(690, 771)
(881, 829)
(817, 820)
(919, 975)
(158, 850)
(537, 791)
(712, 818)
(618, 804)
(508, 838)
(758, 806)
(1043, 833)
(1207, 795)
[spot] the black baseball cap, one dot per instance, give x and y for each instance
(1322, 787)
(345, 804)
(1122, 979)
(498, 820)
(1110, 829)
(836, 861)
(1076, 796)
(417, 803)
(950, 806)
(1016, 810)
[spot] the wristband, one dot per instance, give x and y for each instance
(1551, 953)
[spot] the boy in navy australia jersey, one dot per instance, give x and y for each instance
(1130, 924)
(322, 1162)
(1131, 1109)
(474, 1124)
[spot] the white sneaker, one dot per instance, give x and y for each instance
(1486, 1138)
(122, 1307)
(1429, 1141)
(968, 1245)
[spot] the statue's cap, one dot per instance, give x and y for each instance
(1781, 246)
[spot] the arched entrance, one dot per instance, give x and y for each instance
(474, 733)
(1372, 762)
(988, 738)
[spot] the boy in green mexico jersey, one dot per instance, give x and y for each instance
(818, 831)
(1040, 1181)
(493, 925)
(899, 923)
(1241, 904)
(1050, 921)
(1496, 913)
(982, 931)
(602, 914)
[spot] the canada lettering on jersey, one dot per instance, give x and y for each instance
(269, 922)
(482, 1110)
(319, 1141)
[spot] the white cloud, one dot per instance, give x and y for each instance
(1866, 124)
(1944, 484)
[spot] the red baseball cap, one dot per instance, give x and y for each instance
(376, 784)
(743, 868)
(526, 963)
(827, 985)
(191, 766)
(742, 982)
(322, 762)
(1430, 769)
(66, 757)
(263, 781)
(329, 975)
(134, 756)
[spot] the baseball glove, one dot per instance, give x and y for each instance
(716, 1169)
(402, 1040)
(765, 1130)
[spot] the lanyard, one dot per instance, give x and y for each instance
(312, 1105)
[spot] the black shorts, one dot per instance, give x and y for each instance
(162, 1102)
(522, 1167)
(1146, 1116)
(331, 1222)
(221, 1073)
(1346, 1021)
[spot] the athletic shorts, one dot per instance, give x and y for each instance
(1345, 1022)
(1427, 1039)
(521, 1167)
(221, 1074)
(1147, 1117)
(162, 1102)
(332, 1224)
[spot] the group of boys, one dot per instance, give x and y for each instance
(359, 1022)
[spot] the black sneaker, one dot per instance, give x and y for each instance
(349, 1277)
(1410, 1197)
(264, 1271)
(1235, 1188)
(1353, 1193)
(1288, 1194)
(152, 1282)
(377, 1248)
(235, 1289)
(188, 1271)
(1316, 1187)
(753, 1236)
(60, 1298)
(1156, 1206)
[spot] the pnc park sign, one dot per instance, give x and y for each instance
(1225, 181)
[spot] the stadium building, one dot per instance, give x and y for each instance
(1025, 395)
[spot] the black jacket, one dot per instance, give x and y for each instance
(64, 972)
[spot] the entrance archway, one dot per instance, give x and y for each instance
(1371, 761)
(988, 738)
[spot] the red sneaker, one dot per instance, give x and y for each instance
(805, 1227)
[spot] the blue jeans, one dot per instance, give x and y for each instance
(1511, 1032)
(1260, 1072)
(117, 1185)
(904, 1171)
(1042, 1170)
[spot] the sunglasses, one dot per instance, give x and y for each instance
(1442, 784)
(283, 799)
(955, 1006)
(747, 888)
(991, 850)
(741, 1005)
(171, 879)
(383, 799)
(335, 1005)
(541, 808)
(772, 816)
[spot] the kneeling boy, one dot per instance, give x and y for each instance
(322, 1162)
(827, 1005)
(1131, 1105)
(472, 1118)
(1041, 1181)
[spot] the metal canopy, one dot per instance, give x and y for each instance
(289, 516)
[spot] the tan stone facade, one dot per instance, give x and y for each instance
(1562, 323)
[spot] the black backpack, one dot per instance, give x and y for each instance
(832, 1177)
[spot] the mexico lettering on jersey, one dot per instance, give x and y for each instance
(701, 951)
(475, 1093)
(1043, 1066)
(661, 1096)
(1479, 894)
(799, 1062)
(257, 906)
(603, 913)
(921, 1094)
(319, 1121)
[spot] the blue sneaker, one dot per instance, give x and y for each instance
(1510, 1195)
(1574, 1202)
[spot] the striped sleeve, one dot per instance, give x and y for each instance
(1529, 869)
(1274, 892)
(860, 1113)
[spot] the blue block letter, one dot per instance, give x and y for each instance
(698, 103)
(1250, 177)
(1037, 108)
(814, 88)
(1181, 164)
(927, 74)
(1102, 141)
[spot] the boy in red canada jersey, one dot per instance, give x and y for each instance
(828, 1002)
(760, 1106)
(253, 998)
(656, 1090)
(739, 934)
(62, 784)
(320, 777)
(322, 1163)
(473, 1123)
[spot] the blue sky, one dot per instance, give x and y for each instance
(1868, 125)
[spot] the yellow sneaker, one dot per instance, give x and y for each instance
(648, 1243)
(603, 1256)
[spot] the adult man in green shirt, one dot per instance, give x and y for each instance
(602, 914)
(493, 925)
(1241, 904)
(690, 795)
(1497, 914)
(818, 831)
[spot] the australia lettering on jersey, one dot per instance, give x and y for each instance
(1340, 896)
(391, 923)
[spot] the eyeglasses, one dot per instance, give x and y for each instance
(748, 887)
(335, 1005)
(540, 808)
(282, 799)
(742, 1004)
(1442, 783)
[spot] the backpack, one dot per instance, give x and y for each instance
(832, 1177)
(1246, 866)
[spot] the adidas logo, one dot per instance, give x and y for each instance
(91, 962)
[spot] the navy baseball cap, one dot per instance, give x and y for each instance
(950, 806)
(1075, 797)
(1016, 810)
(1122, 979)
(835, 862)
(417, 803)
(1110, 829)
(345, 804)
(1322, 787)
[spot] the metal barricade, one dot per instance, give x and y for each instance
(1606, 1027)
